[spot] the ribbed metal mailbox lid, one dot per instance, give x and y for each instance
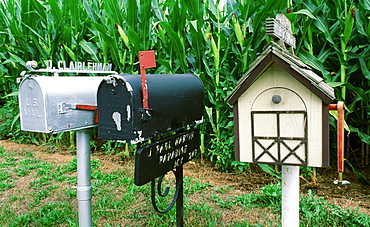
(175, 102)
(48, 104)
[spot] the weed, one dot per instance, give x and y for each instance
(69, 179)
(44, 169)
(7, 164)
(192, 185)
(71, 166)
(21, 172)
(95, 164)
(40, 182)
(270, 195)
(5, 181)
(209, 216)
(246, 201)
(315, 210)
(5, 186)
(71, 193)
(112, 148)
(223, 189)
(117, 201)
(49, 214)
(102, 178)
(12, 199)
(228, 202)
(38, 196)
(10, 159)
(4, 176)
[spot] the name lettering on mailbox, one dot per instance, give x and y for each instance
(160, 157)
(72, 66)
(76, 65)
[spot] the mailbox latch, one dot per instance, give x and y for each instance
(146, 114)
(63, 107)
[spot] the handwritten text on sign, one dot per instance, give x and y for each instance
(158, 158)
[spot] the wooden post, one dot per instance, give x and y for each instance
(340, 109)
(340, 138)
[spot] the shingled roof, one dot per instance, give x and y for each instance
(275, 53)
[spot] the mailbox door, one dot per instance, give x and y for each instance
(115, 107)
(279, 128)
(32, 106)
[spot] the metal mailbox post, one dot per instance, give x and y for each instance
(52, 104)
(281, 114)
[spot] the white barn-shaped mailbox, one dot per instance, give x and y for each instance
(281, 107)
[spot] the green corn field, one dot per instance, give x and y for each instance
(217, 42)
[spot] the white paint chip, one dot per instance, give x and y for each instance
(117, 119)
(128, 108)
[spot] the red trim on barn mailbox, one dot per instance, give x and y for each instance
(332, 106)
(340, 109)
(340, 137)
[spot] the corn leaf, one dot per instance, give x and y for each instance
(348, 27)
(312, 61)
(175, 44)
(91, 49)
(110, 43)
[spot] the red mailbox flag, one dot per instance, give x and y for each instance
(147, 60)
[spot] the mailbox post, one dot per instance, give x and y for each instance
(281, 114)
(52, 104)
(84, 192)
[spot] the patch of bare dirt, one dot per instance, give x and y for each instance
(354, 195)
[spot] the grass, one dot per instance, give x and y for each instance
(34, 192)
(217, 44)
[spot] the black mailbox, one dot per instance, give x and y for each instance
(175, 101)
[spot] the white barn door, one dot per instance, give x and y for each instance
(279, 128)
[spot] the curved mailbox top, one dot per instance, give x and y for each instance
(175, 101)
(48, 104)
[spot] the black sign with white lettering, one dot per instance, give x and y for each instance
(158, 158)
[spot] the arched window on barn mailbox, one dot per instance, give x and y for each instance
(281, 109)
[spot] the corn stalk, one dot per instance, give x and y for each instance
(197, 36)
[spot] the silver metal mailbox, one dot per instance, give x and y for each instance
(53, 104)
